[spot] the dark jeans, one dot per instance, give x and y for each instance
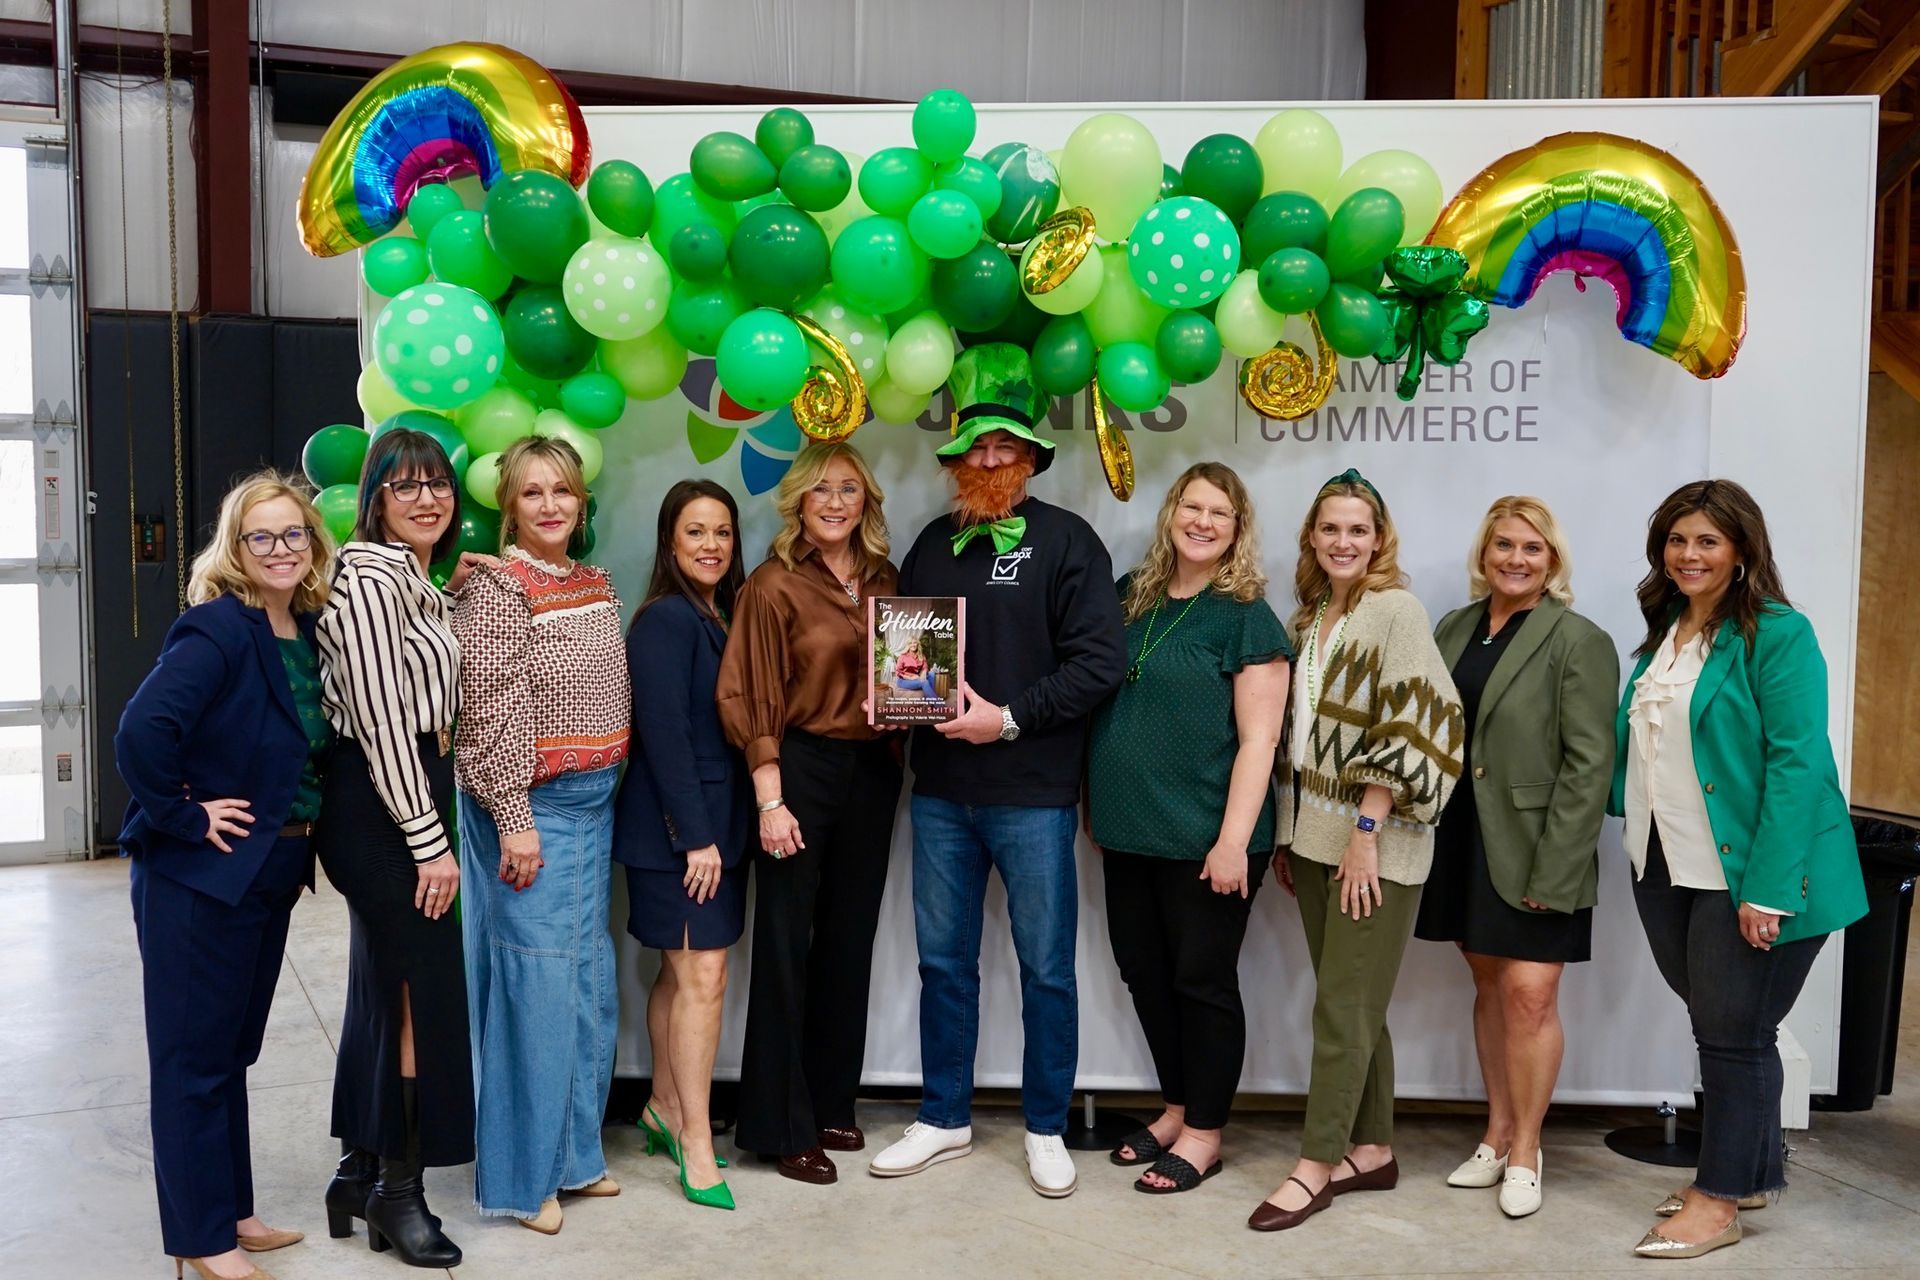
(1177, 943)
(815, 914)
(1736, 995)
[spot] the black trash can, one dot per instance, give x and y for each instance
(1876, 964)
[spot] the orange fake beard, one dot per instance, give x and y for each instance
(980, 494)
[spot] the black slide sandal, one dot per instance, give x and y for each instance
(1179, 1171)
(1146, 1149)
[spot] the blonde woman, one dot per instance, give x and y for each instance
(1187, 833)
(223, 747)
(791, 686)
(543, 728)
(1376, 735)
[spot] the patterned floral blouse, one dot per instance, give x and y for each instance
(543, 681)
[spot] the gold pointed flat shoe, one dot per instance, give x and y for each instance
(268, 1241)
(604, 1187)
(549, 1221)
(1655, 1245)
(1674, 1204)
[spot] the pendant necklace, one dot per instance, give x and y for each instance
(1147, 641)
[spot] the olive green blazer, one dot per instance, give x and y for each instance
(1542, 746)
(1765, 766)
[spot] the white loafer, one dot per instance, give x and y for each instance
(1520, 1193)
(1049, 1168)
(1481, 1169)
(921, 1148)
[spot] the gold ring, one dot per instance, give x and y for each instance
(1061, 244)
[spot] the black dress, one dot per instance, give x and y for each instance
(1459, 903)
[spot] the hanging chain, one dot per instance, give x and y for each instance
(173, 313)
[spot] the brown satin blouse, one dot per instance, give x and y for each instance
(796, 656)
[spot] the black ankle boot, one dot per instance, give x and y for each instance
(397, 1216)
(347, 1193)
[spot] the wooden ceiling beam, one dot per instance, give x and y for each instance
(1898, 52)
(1761, 67)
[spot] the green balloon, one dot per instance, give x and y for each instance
(747, 206)
(339, 507)
(1293, 281)
(698, 314)
(943, 125)
(1170, 185)
(429, 205)
(698, 252)
(877, 267)
(891, 180)
(1283, 220)
(1353, 320)
(621, 197)
(728, 166)
(1063, 355)
(762, 360)
(1120, 312)
(863, 334)
(333, 455)
(1132, 377)
(816, 178)
(495, 420)
(482, 482)
(438, 344)
(975, 291)
(1023, 324)
(535, 222)
(1225, 169)
(920, 302)
(555, 424)
(646, 367)
(440, 430)
(944, 223)
(543, 335)
(460, 253)
(1188, 346)
(780, 133)
(544, 392)
(1029, 191)
(972, 179)
(779, 256)
(594, 400)
(1183, 252)
(1365, 228)
(920, 354)
(678, 202)
(479, 532)
(393, 263)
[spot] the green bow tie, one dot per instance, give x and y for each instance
(1006, 534)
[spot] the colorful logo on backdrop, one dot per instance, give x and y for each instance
(717, 422)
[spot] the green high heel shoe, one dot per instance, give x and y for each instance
(717, 1196)
(660, 1140)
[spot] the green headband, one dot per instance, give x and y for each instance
(1352, 476)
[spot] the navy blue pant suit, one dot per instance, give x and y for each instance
(214, 719)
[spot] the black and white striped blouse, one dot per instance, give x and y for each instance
(390, 670)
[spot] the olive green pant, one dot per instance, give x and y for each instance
(1355, 964)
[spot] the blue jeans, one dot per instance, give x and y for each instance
(954, 846)
(923, 683)
(542, 996)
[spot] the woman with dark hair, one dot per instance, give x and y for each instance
(390, 668)
(681, 825)
(1742, 851)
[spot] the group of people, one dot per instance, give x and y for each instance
(1397, 778)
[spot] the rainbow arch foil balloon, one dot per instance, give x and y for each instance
(1618, 210)
(441, 114)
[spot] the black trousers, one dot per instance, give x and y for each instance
(1177, 943)
(815, 915)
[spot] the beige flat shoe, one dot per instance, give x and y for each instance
(549, 1221)
(271, 1240)
(1674, 1204)
(200, 1269)
(604, 1187)
(1655, 1245)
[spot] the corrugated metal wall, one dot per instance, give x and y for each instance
(1545, 49)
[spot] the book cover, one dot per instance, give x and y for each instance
(915, 658)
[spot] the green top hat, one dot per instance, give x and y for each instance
(993, 390)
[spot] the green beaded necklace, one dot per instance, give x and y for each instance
(1148, 642)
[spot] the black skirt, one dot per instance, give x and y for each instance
(394, 944)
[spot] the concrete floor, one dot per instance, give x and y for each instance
(74, 1165)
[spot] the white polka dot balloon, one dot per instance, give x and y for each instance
(617, 288)
(1183, 252)
(439, 345)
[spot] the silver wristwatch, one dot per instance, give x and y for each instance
(1008, 729)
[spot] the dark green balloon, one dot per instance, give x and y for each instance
(535, 222)
(1364, 230)
(1029, 191)
(1170, 185)
(544, 392)
(479, 531)
(621, 197)
(780, 133)
(1063, 355)
(779, 256)
(976, 291)
(699, 313)
(972, 179)
(333, 455)
(1293, 280)
(1283, 220)
(543, 336)
(697, 252)
(1188, 346)
(728, 166)
(816, 178)
(594, 400)
(439, 429)
(1225, 169)
(1022, 325)
(1353, 320)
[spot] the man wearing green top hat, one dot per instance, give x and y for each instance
(996, 788)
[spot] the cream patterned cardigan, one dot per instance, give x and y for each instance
(1388, 714)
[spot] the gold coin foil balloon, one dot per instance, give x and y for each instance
(1056, 249)
(1116, 455)
(1285, 383)
(833, 401)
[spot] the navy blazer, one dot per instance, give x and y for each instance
(686, 787)
(214, 720)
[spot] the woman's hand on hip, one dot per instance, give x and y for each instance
(520, 859)
(703, 873)
(439, 881)
(1359, 875)
(1226, 869)
(226, 818)
(780, 833)
(1760, 928)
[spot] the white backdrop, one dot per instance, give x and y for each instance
(1551, 402)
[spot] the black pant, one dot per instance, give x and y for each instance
(815, 914)
(1177, 943)
(1736, 995)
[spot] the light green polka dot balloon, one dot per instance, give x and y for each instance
(863, 335)
(617, 288)
(1183, 252)
(439, 344)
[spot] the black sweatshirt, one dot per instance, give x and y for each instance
(1044, 638)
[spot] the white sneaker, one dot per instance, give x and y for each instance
(922, 1147)
(1481, 1169)
(1520, 1193)
(1049, 1167)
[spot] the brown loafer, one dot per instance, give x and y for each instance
(811, 1166)
(847, 1139)
(1385, 1178)
(1271, 1217)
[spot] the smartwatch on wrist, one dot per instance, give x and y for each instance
(1366, 824)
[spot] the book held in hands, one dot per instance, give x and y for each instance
(915, 662)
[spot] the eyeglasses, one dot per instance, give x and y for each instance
(408, 490)
(262, 542)
(847, 493)
(1193, 511)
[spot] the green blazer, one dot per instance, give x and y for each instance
(1541, 746)
(1765, 764)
